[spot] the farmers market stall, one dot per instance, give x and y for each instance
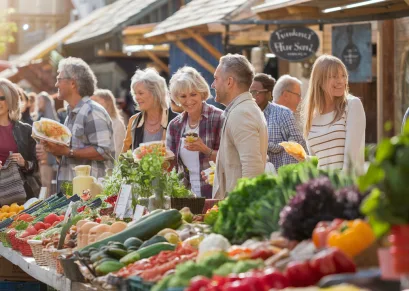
(305, 227)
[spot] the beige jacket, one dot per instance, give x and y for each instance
(243, 145)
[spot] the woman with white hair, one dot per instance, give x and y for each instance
(107, 100)
(151, 96)
(194, 136)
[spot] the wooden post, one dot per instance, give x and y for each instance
(205, 44)
(379, 83)
(157, 61)
(195, 56)
(387, 75)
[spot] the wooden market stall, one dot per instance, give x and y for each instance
(378, 92)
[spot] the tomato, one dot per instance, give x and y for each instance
(272, 278)
(301, 274)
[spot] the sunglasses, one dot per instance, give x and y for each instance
(256, 92)
(2, 98)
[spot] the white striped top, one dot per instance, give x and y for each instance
(337, 144)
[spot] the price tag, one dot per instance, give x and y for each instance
(43, 193)
(68, 212)
(123, 206)
(139, 211)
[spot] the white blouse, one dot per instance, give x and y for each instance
(340, 145)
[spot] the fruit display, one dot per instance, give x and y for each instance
(7, 211)
(157, 147)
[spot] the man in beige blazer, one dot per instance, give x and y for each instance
(243, 144)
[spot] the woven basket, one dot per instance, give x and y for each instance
(23, 245)
(11, 234)
(195, 204)
(4, 239)
(38, 254)
(54, 262)
(48, 257)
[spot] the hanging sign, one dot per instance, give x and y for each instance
(294, 43)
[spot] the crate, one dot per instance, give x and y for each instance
(21, 286)
(195, 204)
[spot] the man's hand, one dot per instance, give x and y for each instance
(56, 149)
(41, 154)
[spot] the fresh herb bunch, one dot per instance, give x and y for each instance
(253, 208)
(67, 188)
(387, 179)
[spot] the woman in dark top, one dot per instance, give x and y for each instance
(151, 95)
(25, 107)
(17, 143)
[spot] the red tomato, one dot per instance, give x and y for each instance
(274, 279)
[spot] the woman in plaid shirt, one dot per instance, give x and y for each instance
(189, 89)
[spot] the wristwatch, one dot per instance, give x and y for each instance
(71, 154)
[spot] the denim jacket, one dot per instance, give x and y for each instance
(27, 148)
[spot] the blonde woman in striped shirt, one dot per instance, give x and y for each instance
(334, 120)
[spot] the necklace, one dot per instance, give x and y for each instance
(192, 126)
(154, 129)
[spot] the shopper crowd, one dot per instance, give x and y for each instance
(259, 114)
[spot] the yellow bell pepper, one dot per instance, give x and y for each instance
(351, 237)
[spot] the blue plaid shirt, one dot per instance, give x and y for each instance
(90, 125)
(281, 127)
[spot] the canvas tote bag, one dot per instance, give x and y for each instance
(11, 184)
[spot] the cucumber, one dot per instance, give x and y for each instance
(108, 267)
(153, 240)
(98, 256)
(133, 242)
(147, 252)
(143, 230)
(116, 253)
(117, 245)
(97, 263)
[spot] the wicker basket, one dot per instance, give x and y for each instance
(23, 245)
(54, 262)
(38, 254)
(195, 204)
(11, 234)
(4, 239)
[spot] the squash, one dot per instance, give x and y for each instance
(118, 226)
(96, 231)
(144, 229)
(83, 233)
(103, 236)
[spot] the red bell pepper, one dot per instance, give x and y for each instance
(321, 231)
(301, 274)
(274, 279)
(199, 283)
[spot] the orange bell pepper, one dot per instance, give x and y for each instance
(351, 237)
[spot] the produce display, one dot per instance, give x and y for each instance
(273, 232)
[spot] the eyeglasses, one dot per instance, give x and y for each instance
(2, 98)
(299, 95)
(62, 78)
(256, 92)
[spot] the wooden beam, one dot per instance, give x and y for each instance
(158, 61)
(195, 56)
(205, 44)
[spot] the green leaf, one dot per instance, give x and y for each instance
(373, 176)
(385, 151)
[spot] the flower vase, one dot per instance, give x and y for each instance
(399, 239)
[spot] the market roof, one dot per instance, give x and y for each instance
(118, 15)
(327, 9)
(197, 13)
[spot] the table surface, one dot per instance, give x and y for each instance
(42, 273)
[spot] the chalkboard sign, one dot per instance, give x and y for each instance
(294, 43)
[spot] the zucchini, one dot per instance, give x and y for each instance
(147, 252)
(108, 267)
(143, 230)
(157, 211)
(153, 240)
(116, 253)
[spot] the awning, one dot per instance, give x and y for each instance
(328, 9)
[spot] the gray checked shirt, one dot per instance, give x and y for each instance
(281, 127)
(90, 126)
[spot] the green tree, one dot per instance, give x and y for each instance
(7, 30)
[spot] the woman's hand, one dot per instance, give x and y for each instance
(19, 159)
(197, 146)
